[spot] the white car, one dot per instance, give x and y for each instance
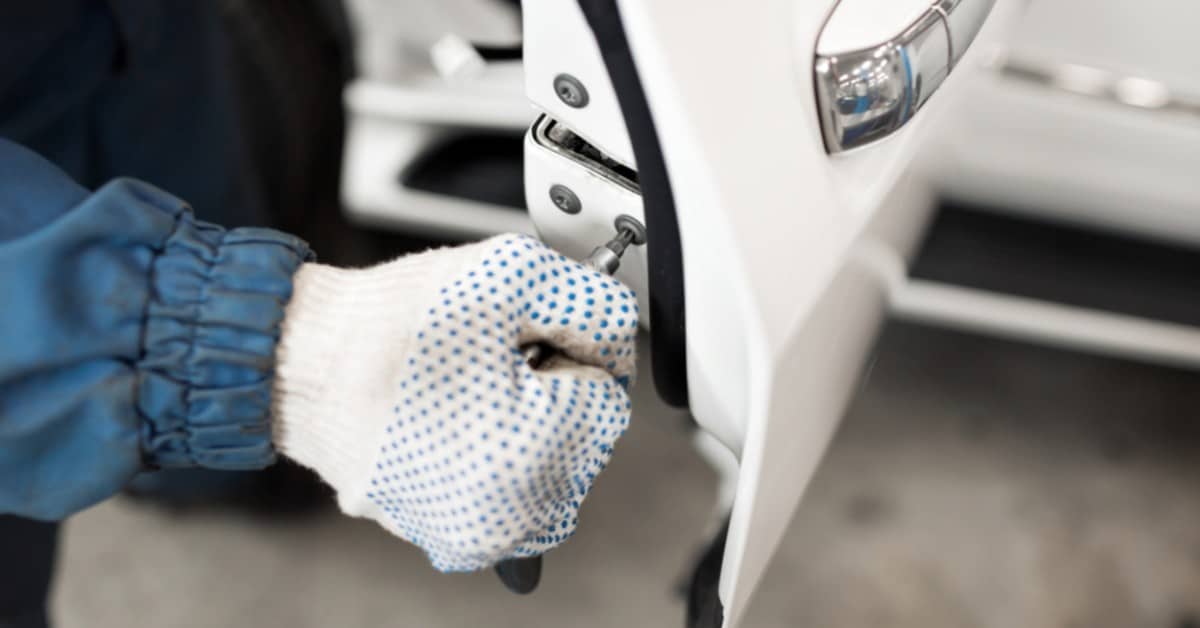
(786, 158)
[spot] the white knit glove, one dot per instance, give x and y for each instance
(404, 387)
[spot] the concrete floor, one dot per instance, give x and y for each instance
(973, 483)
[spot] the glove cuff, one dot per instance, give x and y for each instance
(345, 337)
(309, 421)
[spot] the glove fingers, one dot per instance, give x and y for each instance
(559, 302)
(585, 412)
(486, 457)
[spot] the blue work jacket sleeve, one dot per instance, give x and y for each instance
(131, 337)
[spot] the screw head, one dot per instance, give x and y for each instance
(564, 199)
(570, 91)
(635, 228)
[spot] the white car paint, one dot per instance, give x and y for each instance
(860, 24)
(789, 254)
(1114, 160)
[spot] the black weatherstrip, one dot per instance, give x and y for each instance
(663, 250)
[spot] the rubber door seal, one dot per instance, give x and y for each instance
(668, 339)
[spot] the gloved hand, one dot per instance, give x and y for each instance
(403, 386)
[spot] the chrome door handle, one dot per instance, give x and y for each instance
(963, 19)
(867, 94)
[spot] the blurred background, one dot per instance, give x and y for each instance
(975, 480)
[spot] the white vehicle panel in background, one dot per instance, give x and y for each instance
(393, 37)
(392, 126)
(400, 108)
(1092, 121)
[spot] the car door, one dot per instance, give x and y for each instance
(768, 148)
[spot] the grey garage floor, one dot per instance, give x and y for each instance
(973, 483)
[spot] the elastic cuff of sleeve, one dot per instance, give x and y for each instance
(212, 323)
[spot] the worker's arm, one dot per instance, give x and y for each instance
(131, 336)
